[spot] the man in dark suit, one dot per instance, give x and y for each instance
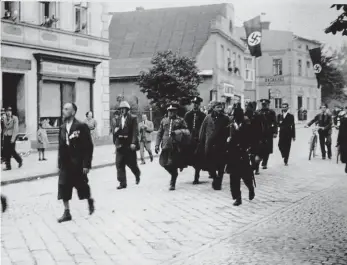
(194, 119)
(127, 143)
(75, 155)
(286, 126)
(324, 121)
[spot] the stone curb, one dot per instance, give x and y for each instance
(53, 174)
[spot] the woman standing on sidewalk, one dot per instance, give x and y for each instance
(91, 122)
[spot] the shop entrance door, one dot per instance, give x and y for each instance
(13, 95)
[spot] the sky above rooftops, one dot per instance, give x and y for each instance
(304, 18)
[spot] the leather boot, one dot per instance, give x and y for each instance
(66, 217)
(237, 202)
(91, 206)
(173, 183)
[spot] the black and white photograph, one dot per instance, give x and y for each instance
(197, 132)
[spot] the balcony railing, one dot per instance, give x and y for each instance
(48, 38)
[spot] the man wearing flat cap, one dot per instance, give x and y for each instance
(127, 143)
(268, 119)
(172, 132)
(212, 143)
(194, 119)
(11, 130)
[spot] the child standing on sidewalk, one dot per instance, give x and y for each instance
(42, 142)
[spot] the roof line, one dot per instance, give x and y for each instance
(243, 48)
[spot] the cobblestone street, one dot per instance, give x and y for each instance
(297, 217)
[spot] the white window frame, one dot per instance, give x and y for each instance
(78, 27)
(13, 6)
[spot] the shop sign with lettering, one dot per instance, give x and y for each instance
(66, 69)
(274, 80)
(14, 63)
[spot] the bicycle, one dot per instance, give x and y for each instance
(23, 145)
(313, 143)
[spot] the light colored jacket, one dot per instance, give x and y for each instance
(146, 128)
(11, 127)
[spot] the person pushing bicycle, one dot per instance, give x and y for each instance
(324, 122)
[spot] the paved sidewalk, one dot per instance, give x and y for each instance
(33, 169)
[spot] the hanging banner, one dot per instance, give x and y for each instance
(254, 36)
(316, 57)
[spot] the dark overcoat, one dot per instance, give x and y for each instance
(194, 120)
(286, 127)
(269, 124)
(171, 154)
(342, 139)
(77, 155)
(128, 135)
(212, 141)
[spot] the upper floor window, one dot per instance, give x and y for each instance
(307, 48)
(277, 66)
(81, 11)
(299, 46)
(308, 65)
(10, 10)
(234, 59)
(222, 55)
(239, 64)
(48, 14)
(231, 27)
(299, 67)
(229, 60)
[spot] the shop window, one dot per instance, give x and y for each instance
(299, 67)
(277, 66)
(81, 12)
(48, 12)
(308, 107)
(83, 98)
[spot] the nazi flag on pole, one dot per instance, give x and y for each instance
(254, 35)
(316, 57)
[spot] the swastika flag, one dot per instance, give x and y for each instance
(316, 57)
(254, 36)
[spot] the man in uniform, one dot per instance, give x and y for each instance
(10, 135)
(325, 123)
(212, 143)
(286, 125)
(194, 119)
(268, 119)
(171, 127)
(127, 143)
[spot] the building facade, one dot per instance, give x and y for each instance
(53, 53)
(205, 33)
(284, 73)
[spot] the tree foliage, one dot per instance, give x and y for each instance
(333, 76)
(171, 78)
(340, 24)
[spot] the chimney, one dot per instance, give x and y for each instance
(265, 25)
(140, 8)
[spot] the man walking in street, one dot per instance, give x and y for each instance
(171, 128)
(146, 129)
(238, 162)
(75, 155)
(268, 119)
(10, 135)
(194, 119)
(325, 123)
(286, 125)
(212, 143)
(127, 143)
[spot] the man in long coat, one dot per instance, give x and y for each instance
(286, 126)
(342, 139)
(75, 155)
(194, 119)
(212, 143)
(268, 119)
(172, 132)
(127, 143)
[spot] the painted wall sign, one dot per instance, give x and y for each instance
(14, 63)
(65, 69)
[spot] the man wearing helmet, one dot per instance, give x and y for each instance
(127, 143)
